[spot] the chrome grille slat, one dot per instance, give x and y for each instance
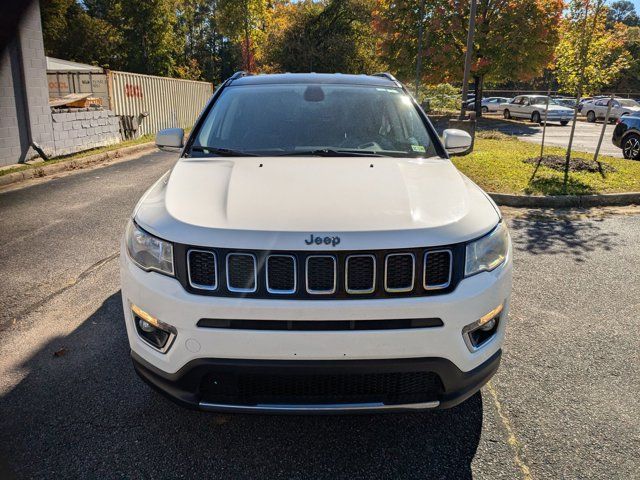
(321, 266)
(395, 265)
(281, 272)
(202, 269)
(248, 284)
(360, 273)
(440, 268)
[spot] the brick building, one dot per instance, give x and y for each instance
(25, 116)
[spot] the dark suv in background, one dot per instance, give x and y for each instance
(626, 135)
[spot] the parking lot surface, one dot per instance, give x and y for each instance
(585, 138)
(564, 403)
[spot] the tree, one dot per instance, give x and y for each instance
(629, 80)
(149, 34)
(71, 33)
(207, 54)
(243, 21)
(514, 39)
(589, 57)
(332, 36)
(623, 11)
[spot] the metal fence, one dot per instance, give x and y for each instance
(169, 102)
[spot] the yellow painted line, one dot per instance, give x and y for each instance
(512, 440)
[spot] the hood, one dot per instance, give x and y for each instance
(242, 201)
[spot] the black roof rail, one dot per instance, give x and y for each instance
(386, 75)
(237, 75)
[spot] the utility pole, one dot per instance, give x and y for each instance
(419, 57)
(468, 56)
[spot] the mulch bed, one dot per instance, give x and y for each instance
(556, 162)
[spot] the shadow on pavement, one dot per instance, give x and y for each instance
(548, 232)
(86, 414)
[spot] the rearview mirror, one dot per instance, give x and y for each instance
(456, 141)
(170, 139)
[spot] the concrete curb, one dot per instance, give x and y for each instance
(44, 170)
(567, 201)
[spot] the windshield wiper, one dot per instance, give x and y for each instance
(223, 152)
(328, 152)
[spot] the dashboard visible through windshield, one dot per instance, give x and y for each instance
(310, 119)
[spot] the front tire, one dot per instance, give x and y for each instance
(485, 110)
(631, 147)
(591, 116)
(507, 114)
(564, 123)
(535, 117)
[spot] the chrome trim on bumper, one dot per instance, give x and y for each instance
(321, 408)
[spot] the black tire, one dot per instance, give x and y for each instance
(536, 118)
(591, 116)
(631, 147)
(564, 123)
(506, 114)
(485, 109)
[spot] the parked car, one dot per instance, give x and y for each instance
(626, 136)
(533, 107)
(470, 103)
(565, 101)
(492, 104)
(314, 249)
(584, 100)
(597, 108)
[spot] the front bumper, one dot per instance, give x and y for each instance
(197, 350)
(183, 387)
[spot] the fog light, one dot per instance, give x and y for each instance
(153, 331)
(489, 325)
(478, 333)
(145, 326)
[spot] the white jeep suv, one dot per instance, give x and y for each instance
(315, 250)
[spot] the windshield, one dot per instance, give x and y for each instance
(629, 103)
(307, 118)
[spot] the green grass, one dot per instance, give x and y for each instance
(85, 153)
(497, 166)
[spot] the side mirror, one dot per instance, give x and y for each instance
(170, 139)
(456, 141)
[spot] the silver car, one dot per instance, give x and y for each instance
(533, 107)
(596, 109)
(492, 104)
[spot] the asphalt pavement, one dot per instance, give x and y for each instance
(564, 403)
(585, 137)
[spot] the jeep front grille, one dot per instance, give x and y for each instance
(319, 275)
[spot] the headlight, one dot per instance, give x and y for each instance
(488, 252)
(147, 251)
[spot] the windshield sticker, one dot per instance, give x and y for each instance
(418, 148)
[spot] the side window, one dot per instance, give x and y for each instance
(516, 101)
(602, 103)
(524, 101)
(616, 104)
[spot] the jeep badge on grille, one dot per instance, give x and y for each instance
(333, 241)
